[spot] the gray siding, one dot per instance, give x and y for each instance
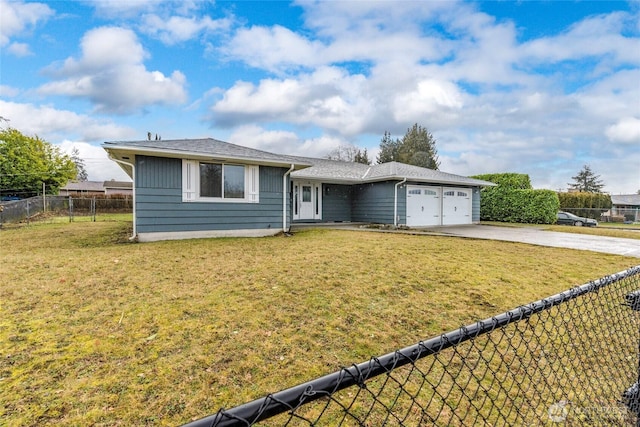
(336, 203)
(159, 205)
(374, 203)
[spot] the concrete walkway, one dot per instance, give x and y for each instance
(534, 236)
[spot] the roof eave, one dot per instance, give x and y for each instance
(181, 154)
(429, 181)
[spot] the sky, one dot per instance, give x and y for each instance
(534, 87)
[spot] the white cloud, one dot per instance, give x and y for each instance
(334, 20)
(366, 32)
(284, 142)
(625, 131)
(111, 74)
(596, 36)
(18, 16)
(96, 161)
(329, 98)
(8, 91)
(50, 123)
(19, 49)
(432, 97)
(123, 9)
(274, 48)
(177, 29)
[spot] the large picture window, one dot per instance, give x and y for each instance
(219, 182)
(225, 181)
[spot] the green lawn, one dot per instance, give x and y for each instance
(95, 330)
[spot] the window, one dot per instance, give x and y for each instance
(219, 182)
(306, 193)
(414, 191)
(210, 180)
(462, 194)
(449, 193)
(430, 193)
(225, 181)
(233, 182)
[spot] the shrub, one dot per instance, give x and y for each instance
(513, 200)
(507, 180)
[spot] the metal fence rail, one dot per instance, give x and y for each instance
(570, 358)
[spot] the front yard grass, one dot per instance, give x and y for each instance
(95, 330)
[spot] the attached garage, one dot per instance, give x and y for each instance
(433, 206)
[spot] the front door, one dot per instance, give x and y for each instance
(307, 200)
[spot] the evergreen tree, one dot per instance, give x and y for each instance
(81, 172)
(389, 149)
(586, 181)
(417, 147)
(362, 157)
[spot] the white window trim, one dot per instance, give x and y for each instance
(191, 183)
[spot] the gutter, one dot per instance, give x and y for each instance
(395, 202)
(284, 197)
(133, 195)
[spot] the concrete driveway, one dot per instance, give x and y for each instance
(609, 245)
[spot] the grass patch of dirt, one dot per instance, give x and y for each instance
(95, 330)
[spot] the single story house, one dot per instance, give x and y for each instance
(627, 205)
(97, 188)
(208, 188)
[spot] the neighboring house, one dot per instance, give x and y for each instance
(96, 188)
(83, 188)
(627, 205)
(210, 188)
(121, 188)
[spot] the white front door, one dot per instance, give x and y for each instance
(456, 206)
(307, 200)
(423, 206)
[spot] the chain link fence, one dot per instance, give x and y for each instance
(571, 358)
(26, 210)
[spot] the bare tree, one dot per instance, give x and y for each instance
(349, 153)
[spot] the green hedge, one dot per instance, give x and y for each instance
(518, 181)
(589, 205)
(513, 200)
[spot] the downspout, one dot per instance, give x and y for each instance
(284, 198)
(395, 202)
(133, 195)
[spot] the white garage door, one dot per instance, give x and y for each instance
(456, 206)
(423, 206)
